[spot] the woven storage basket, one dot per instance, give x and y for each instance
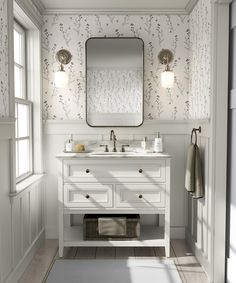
(131, 229)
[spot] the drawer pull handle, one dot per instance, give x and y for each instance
(140, 196)
(140, 170)
(87, 170)
(87, 196)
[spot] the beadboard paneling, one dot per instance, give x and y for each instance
(199, 232)
(21, 219)
(5, 212)
(27, 222)
(174, 135)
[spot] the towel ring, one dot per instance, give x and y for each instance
(194, 130)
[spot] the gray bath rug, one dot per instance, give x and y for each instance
(114, 271)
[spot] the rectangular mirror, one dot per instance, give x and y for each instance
(114, 82)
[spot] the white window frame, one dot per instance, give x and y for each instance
(19, 28)
(24, 101)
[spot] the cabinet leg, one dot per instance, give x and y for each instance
(61, 249)
(167, 250)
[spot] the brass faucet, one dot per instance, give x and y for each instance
(113, 137)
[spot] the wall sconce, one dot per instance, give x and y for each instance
(61, 78)
(167, 77)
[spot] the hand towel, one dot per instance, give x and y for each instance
(112, 226)
(193, 175)
(199, 189)
(190, 172)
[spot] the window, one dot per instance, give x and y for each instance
(23, 107)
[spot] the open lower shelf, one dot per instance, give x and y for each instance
(150, 236)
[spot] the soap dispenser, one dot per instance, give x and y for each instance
(158, 143)
(69, 145)
(144, 143)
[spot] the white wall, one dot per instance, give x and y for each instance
(231, 261)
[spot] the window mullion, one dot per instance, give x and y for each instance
(23, 138)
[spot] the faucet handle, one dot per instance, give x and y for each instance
(123, 147)
(106, 147)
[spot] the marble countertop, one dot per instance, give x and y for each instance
(116, 155)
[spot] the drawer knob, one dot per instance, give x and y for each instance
(87, 196)
(140, 170)
(87, 170)
(140, 196)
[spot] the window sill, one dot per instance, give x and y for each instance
(26, 183)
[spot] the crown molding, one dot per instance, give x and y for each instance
(185, 11)
(226, 2)
(116, 11)
(190, 6)
(28, 7)
(39, 5)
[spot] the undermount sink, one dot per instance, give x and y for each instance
(118, 153)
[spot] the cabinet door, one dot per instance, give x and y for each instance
(88, 195)
(144, 195)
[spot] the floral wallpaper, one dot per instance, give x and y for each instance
(4, 97)
(157, 32)
(200, 60)
(114, 91)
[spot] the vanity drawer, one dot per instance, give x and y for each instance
(122, 169)
(140, 195)
(88, 195)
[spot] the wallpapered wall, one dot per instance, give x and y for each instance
(157, 32)
(4, 96)
(200, 60)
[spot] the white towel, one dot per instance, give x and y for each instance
(193, 175)
(112, 226)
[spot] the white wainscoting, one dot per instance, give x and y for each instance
(21, 215)
(199, 230)
(175, 143)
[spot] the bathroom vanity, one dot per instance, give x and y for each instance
(114, 183)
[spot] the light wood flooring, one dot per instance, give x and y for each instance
(189, 269)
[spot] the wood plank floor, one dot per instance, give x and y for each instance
(189, 269)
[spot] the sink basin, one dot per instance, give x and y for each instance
(111, 153)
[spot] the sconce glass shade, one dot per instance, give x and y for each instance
(167, 79)
(61, 79)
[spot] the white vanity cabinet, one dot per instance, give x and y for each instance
(136, 184)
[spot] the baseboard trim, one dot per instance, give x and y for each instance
(51, 232)
(177, 232)
(202, 259)
(24, 262)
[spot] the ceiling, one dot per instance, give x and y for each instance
(150, 6)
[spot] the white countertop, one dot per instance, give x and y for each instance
(112, 155)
